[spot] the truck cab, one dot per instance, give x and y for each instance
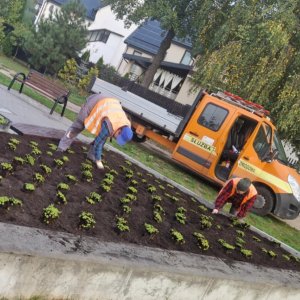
(229, 137)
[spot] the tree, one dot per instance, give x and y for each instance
(177, 17)
(58, 38)
(255, 54)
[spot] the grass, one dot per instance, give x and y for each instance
(268, 224)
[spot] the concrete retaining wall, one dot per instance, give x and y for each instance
(63, 266)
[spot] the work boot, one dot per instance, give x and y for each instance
(99, 164)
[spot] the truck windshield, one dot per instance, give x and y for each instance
(277, 145)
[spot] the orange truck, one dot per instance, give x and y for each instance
(221, 137)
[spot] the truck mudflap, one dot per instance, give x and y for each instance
(287, 206)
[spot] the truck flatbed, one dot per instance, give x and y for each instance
(139, 107)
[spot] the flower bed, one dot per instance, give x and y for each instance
(124, 203)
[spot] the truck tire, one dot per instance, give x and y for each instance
(138, 138)
(264, 203)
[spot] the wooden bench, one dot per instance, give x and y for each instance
(45, 86)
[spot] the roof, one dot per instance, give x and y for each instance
(91, 6)
(150, 35)
(179, 69)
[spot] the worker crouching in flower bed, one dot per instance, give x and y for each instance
(240, 192)
(103, 117)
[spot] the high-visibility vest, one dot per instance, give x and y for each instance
(106, 108)
(252, 190)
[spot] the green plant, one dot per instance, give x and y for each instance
(68, 72)
(29, 187)
(159, 208)
(177, 236)
(65, 158)
(6, 201)
(33, 144)
(61, 197)
(52, 147)
(226, 245)
(239, 242)
(105, 187)
(271, 253)
(205, 221)
(59, 163)
(38, 178)
(49, 153)
(161, 187)
(19, 160)
(36, 151)
(107, 181)
(173, 198)
(122, 224)
(93, 198)
(46, 169)
(109, 176)
(240, 233)
(126, 209)
(30, 159)
(87, 220)
(113, 172)
(157, 216)
(246, 253)
(156, 198)
(151, 229)
(134, 182)
(256, 239)
(132, 190)
(14, 141)
(86, 167)
(180, 215)
(125, 200)
(203, 208)
(87, 175)
(6, 166)
(63, 186)
(12, 146)
(151, 188)
(70, 151)
(71, 178)
(50, 213)
(202, 241)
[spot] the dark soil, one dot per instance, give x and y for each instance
(105, 212)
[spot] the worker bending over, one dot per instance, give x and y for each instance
(103, 117)
(240, 192)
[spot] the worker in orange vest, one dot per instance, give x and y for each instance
(240, 192)
(103, 117)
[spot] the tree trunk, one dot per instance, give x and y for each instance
(158, 58)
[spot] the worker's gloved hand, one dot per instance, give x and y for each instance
(99, 164)
(215, 211)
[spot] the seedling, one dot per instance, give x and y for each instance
(227, 246)
(7, 166)
(36, 151)
(144, 181)
(33, 144)
(87, 175)
(246, 253)
(158, 207)
(134, 182)
(87, 220)
(129, 163)
(205, 221)
(49, 153)
(52, 147)
(161, 187)
(180, 216)
(84, 148)
(122, 224)
(156, 198)
(50, 213)
(63, 186)
(6, 201)
(125, 200)
(71, 178)
(19, 160)
(86, 167)
(126, 209)
(105, 187)
(59, 163)
(61, 197)
(46, 169)
(113, 172)
(38, 178)
(177, 236)
(174, 198)
(256, 239)
(107, 181)
(269, 252)
(70, 151)
(151, 189)
(93, 198)
(30, 159)
(240, 233)
(12, 146)
(157, 216)
(65, 158)
(151, 229)
(29, 187)
(132, 190)
(14, 141)
(202, 241)
(202, 208)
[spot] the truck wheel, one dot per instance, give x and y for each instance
(138, 138)
(264, 203)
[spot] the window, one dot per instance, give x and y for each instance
(262, 142)
(187, 58)
(213, 117)
(98, 36)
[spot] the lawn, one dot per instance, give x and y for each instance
(270, 225)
